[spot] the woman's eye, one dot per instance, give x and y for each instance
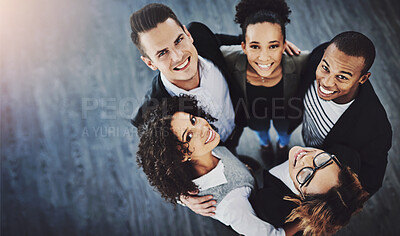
(189, 137)
(193, 120)
(273, 46)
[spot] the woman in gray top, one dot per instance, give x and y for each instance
(179, 154)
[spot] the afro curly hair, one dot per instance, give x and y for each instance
(259, 11)
(160, 152)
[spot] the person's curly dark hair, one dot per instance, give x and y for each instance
(160, 152)
(259, 11)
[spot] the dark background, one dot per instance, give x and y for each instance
(70, 80)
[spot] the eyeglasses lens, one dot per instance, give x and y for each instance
(322, 159)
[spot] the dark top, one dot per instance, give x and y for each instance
(268, 203)
(265, 103)
(362, 136)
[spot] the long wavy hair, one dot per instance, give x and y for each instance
(325, 214)
(160, 152)
(259, 11)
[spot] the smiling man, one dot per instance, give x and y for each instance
(341, 111)
(185, 67)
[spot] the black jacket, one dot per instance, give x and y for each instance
(362, 136)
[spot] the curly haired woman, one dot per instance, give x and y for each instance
(179, 154)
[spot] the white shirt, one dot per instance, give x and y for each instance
(282, 172)
(212, 94)
(235, 209)
(319, 116)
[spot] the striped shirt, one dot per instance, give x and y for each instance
(319, 116)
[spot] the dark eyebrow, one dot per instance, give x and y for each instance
(183, 135)
(254, 42)
(160, 51)
(345, 72)
(326, 62)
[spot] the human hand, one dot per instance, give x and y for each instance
(292, 49)
(200, 205)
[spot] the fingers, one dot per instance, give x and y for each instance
(200, 205)
(291, 48)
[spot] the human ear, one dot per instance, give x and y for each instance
(364, 78)
(148, 62)
(243, 44)
(187, 33)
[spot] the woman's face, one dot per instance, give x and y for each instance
(195, 131)
(324, 178)
(264, 47)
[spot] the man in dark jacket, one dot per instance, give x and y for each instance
(340, 110)
(185, 66)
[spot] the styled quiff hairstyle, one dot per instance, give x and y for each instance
(161, 153)
(259, 11)
(148, 18)
(325, 214)
(357, 45)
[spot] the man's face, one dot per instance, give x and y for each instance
(170, 49)
(339, 75)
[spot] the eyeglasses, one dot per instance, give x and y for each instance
(320, 161)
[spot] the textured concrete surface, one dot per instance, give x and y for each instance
(70, 78)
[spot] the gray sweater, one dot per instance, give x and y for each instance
(236, 173)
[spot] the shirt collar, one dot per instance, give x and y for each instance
(213, 178)
(282, 172)
(174, 90)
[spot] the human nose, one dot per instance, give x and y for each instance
(176, 55)
(328, 81)
(264, 55)
(307, 160)
(202, 129)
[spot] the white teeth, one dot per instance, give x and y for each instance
(183, 64)
(209, 136)
(265, 66)
(325, 91)
(301, 154)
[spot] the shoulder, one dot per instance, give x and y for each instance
(234, 57)
(294, 64)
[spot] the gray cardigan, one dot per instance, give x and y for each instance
(236, 173)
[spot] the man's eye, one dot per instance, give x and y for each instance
(342, 77)
(325, 68)
(254, 47)
(193, 120)
(189, 137)
(179, 40)
(273, 46)
(162, 53)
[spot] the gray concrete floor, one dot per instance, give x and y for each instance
(70, 79)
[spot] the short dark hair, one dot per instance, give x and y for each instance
(259, 11)
(325, 214)
(148, 18)
(161, 153)
(356, 44)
